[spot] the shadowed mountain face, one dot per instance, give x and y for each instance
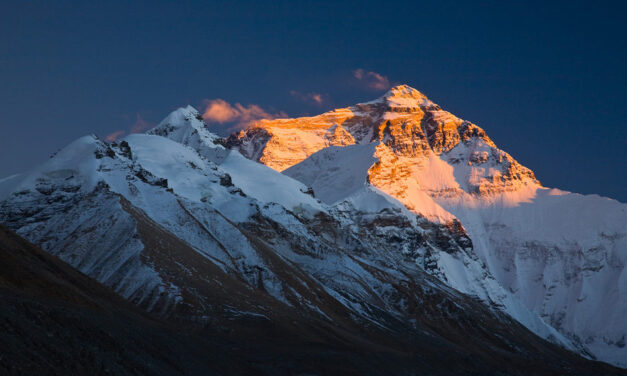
(242, 262)
(56, 320)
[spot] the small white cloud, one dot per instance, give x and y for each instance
(372, 80)
(315, 98)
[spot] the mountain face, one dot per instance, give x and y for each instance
(420, 238)
(56, 320)
(407, 128)
(560, 255)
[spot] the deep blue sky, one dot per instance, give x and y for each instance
(547, 82)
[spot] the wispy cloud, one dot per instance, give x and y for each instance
(372, 80)
(115, 135)
(315, 98)
(140, 125)
(219, 111)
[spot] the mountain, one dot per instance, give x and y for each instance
(199, 235)
(558, 254)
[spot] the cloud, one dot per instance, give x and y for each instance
(140, 125)
(115, 136)
(315, 98)
(219, 111)
(372, 80)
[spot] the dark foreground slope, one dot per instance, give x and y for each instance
(55, 320)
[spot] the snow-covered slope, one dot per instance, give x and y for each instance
(87, 205)
(563, 255)
(336, 172)
(559, 255)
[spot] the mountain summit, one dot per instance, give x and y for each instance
(404, 96)
(407, 128)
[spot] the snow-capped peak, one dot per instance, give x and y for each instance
(402, 96)
(186, 126)
(404, 91)
(182, 117)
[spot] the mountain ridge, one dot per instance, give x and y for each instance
(174, 221)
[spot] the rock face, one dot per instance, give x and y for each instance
(407, 127)
(560, 255)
